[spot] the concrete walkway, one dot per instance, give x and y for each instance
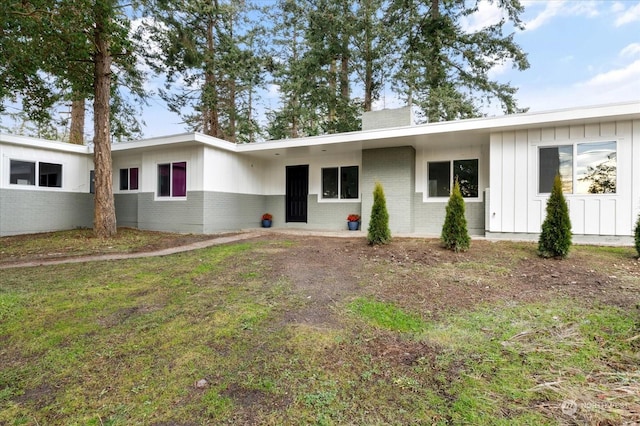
(214, 241)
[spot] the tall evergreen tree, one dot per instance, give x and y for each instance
(555, 238)
(49, 60)
(293, 118)
(372, 41)
(209, 46)
(73, 45)
(443, 68)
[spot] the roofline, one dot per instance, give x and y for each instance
(621, 111)
(44, 144)
(566, 116)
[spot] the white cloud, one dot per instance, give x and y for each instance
(617, 7)
(631, 50)
(628, 74)
(627, 16)
(488, 14)
(560, 8)
(552, 9)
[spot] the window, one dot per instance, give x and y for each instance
(172, 180)
(596, 168)
(340, 183)
(556, 160)
(50, 175)
(330, 183)
(22, 172)
(129, 179)
(442, 174)
(585, 168)
(349, 182)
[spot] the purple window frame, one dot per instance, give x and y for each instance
(133, 178)
(179, 179)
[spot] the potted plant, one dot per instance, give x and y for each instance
(266, 220)
(353, 221)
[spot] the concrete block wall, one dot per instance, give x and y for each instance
(330, 216)
(394, 168)
(171, 215)
(320, 216)
(31, 211)
(429, 217)
(224, 211)
(126, 209)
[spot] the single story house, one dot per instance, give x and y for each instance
(193, 183)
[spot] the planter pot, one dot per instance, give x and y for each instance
(353, 226)
(266, 223)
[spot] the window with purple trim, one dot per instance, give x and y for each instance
(129, 179)
(172, 179)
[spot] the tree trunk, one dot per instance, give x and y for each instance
(368, 59)
(333, 93)
(211, 102)
(76, 131)
(104, 217)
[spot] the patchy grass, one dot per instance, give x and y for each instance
(128, 342)
(82, 242)
(386, 315)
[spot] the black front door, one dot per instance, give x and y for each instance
(297, 192)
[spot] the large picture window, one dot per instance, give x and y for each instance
(340, 183)
(584, 168)
(442, 175)
(172, 179)
(129, 179)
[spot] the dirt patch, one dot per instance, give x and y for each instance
(40, 396)
(420, 274)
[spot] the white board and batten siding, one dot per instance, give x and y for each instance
(516, 206)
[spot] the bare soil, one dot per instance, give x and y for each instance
(325, 270)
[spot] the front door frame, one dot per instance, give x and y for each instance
(297, 192)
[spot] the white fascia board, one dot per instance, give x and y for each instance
(183, 138)
(37, 143)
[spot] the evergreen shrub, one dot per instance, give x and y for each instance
(555, 238)
(379, 232)
(455, 235)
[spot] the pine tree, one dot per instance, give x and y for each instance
(454, 234)
(379, 232)
(443, 68)
(212, 48)
(637, 237)
(555, 239)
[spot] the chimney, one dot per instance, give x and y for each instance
(387, 118)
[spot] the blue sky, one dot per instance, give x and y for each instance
(581, 53)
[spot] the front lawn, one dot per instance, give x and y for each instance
(292, 330)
